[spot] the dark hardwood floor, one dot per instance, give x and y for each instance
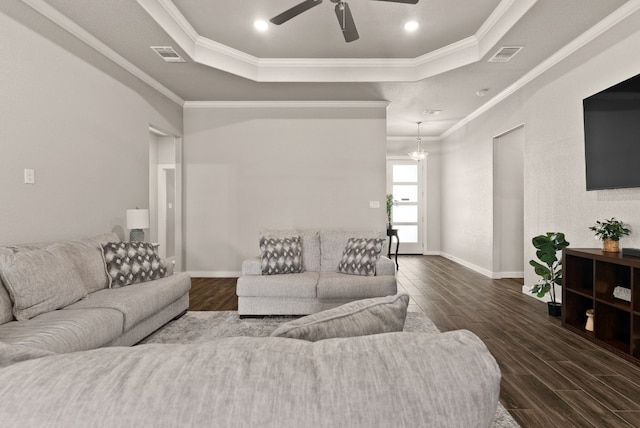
(550, 377)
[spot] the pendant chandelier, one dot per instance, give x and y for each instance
(419, 153)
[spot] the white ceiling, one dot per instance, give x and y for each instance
(441, 66)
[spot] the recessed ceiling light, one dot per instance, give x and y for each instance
(261, 25)
(411, 26)
(432, 111)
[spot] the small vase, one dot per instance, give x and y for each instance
(589, 325)
(610, 246)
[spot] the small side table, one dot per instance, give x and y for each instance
(391, 233)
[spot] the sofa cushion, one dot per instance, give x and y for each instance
(310, 245)
(139, 301)
(280, 255)
(40, 280)
(86, 255)
(65, 330)
(360, 256)
(333, 242)
(334, 285)
(359, 318)
(293, 285)
(129, 263)
(10, 354)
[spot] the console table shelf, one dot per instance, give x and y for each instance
(589, 278)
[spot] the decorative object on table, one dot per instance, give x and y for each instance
(622, 293)
(633, 252)
(137, 220)
(610, 231)
(418, 154)
(547, 247)
(589, 325)
(390, 204)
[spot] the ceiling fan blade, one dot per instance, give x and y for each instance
(294, 11)
(401, 1)
(345, 19)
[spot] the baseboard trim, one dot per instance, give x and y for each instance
(213, 274)
(510, 275)
(471, 266)
(432, 253)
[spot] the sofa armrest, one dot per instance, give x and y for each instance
(385, 266)
(252, 266)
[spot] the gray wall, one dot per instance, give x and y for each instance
(555, 198)
(277, 167)
(81, 123)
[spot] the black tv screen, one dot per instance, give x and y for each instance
(612, 136)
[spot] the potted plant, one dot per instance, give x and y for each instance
(549, 268)
(610, 231)
(390, 203)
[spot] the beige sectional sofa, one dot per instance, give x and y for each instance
(59, 316)
(319, 286)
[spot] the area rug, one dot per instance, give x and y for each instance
(196, 327)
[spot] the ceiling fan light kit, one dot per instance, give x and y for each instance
(343, 13)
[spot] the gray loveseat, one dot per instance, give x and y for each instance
(319, 286)
(60, 316)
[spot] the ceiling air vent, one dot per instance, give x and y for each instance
(505, 53)
(167, 53)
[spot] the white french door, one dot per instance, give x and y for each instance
(405, 183)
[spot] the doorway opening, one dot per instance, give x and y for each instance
(165, 194)
(508, 204)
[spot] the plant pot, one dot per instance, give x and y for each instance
(554, 309)
(610, 246)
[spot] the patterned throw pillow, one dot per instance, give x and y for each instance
(132, 262)
(281, 255)
(360, 256)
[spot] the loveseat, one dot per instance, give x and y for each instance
(57, 298)
(318, 286)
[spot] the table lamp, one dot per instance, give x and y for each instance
(137, 219)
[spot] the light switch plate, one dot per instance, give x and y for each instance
(374, 204)
(29, 176)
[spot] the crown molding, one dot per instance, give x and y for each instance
(222, 57)
(65, 23)
(591, 34)
(286, 104)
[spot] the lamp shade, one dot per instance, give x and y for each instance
(137, 219)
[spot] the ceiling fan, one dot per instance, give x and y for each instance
(343, 13)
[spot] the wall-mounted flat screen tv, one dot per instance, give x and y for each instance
(612, 136)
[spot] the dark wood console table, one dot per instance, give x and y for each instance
(391, 233)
